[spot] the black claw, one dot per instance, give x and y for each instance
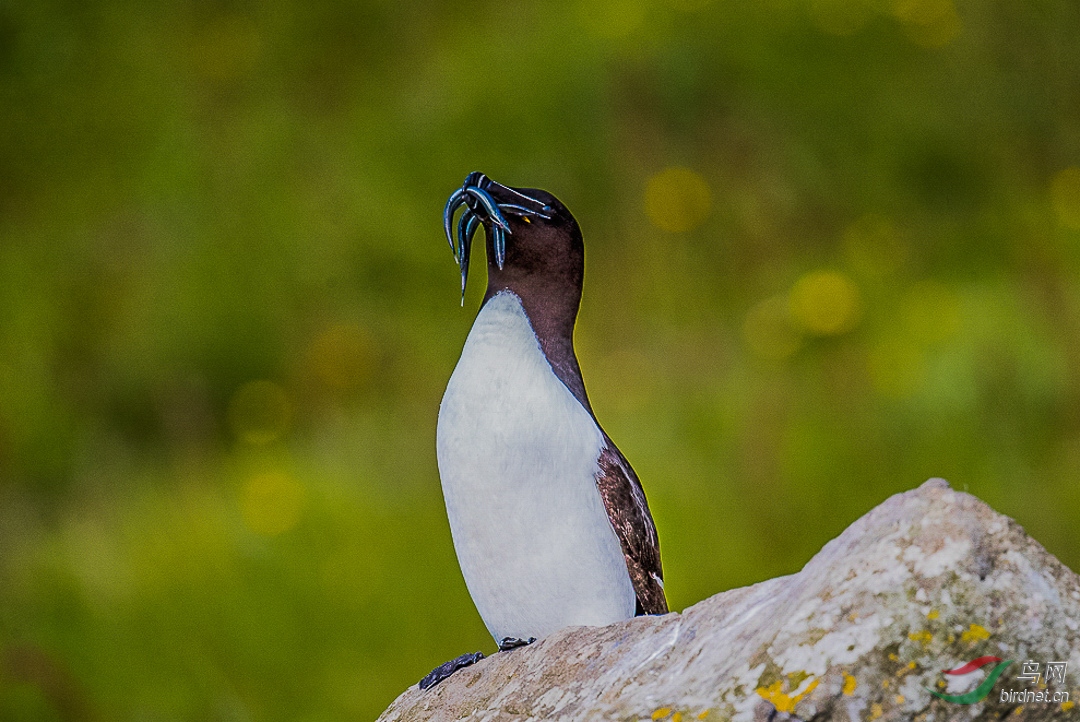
(445, 670)
(509, 643)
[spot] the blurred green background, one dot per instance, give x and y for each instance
(833, 250)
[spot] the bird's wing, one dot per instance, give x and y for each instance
(628, 511)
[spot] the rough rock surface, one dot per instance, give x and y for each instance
(927, 581)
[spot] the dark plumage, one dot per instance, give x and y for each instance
(545, 266)
(533, 485)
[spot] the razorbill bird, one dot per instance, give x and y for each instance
(549, 520)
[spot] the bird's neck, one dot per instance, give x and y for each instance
(552, 313)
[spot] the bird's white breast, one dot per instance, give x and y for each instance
(518, 457)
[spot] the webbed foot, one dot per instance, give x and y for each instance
(448, 668)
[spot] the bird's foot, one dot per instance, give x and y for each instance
(508, 643)
(445, 670)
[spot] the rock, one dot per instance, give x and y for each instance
(928, 581)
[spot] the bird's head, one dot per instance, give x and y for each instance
(533, 242)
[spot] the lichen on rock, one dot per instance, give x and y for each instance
(928, 581)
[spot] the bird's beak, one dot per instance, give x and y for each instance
(480, 195)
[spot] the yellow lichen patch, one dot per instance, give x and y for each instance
(850, 683)
(704, 714)
(785, 702)
(922, 637)
(875, 710)
(677, 717)
(661, 713)
(893, 657)
(934, 614)
(772, 692)
(885, 684)
(974, 633)
(1018, 711)
(899, 699)
(1066, 706)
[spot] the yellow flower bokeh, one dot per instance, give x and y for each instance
(677, 200)
(826, 303)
